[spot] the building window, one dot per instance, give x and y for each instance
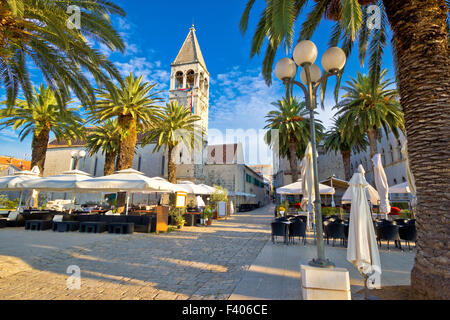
(395, 182)
(391, 151)
(190, 79)
(179, 80)
(139, 163)
(403, 179)
(163, 164)
(399, 146)
(95, 166)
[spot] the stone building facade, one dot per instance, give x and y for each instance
(331, 164)
(220, 164)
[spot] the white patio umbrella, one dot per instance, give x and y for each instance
(296, 188)
(209, 188)
(67, 181)
(382, 185)
(194, 188)
(128, 180)
(410, 177)
(308, 190)
(371, 194)
(402, 188)
(11, 183)
(362, 250)
(307, 177)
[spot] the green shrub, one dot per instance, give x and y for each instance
(330, 211)
(8, 204)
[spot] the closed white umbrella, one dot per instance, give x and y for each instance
(309, 195)
(382, 185)
(410, 177)
(371, 194)
(362, 250)
(307, 177)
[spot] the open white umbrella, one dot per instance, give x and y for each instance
(128, 180)
(402, 188)
(296, 188)
(362, 250)
(194, 188)
(12, 183)
(371, 194)
(123, 181)
(67, 181)
(382, 185)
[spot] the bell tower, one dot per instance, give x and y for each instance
(189, 86)
(189, 80)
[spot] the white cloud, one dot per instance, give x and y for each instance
(149, 70)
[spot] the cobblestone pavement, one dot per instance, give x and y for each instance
(194, 263)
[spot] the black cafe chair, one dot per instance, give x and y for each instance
(388, 232)
(297, 229)
(408, 233)
(278, 230)
(336, 230)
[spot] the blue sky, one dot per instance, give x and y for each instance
(154, 32)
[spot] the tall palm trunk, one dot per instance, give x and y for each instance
(39, 149)
(110, 162)
(172, 167)
(346, 159)
(127, 146)
(420, 39)
(372, 134)
(293, 160)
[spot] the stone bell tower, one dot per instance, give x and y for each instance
(189, 86)
(189, 80)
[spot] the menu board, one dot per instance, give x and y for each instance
(222, 209)
(181, 200)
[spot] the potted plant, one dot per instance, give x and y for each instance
(179, 220)
(208, 214)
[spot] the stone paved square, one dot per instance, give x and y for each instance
(194, 263)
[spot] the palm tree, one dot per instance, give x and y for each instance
(105, 138)
(370, 108)
(336, 140)
(40, 117)
(42, 33)
(175, 126)
(293, 125)
(133, 104)
(420, 36)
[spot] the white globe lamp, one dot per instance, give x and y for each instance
(305, 52)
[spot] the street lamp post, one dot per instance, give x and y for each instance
(77, 156)
(333, 61)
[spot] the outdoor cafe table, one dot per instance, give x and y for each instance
(286, 224)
